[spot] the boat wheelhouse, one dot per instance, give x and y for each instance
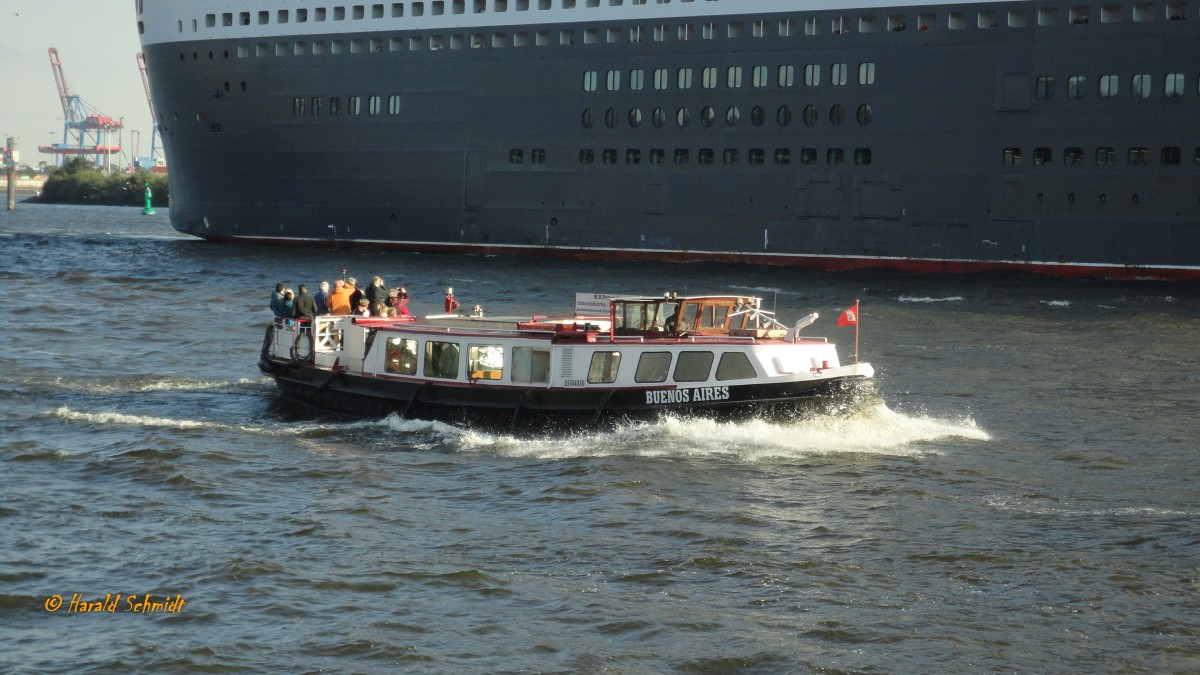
(710, 355)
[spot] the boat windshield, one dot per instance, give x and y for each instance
(639, 317)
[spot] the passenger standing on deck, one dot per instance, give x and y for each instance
(398, 301)
(451, 303)
(287, 306)
(306, 306)
(355, 294)
(376, 293)
(364, 308)
(277, 301)
(319, 298)
(338, 301)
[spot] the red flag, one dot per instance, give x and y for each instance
(848, 318)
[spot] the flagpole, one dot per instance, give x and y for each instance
(858, 320)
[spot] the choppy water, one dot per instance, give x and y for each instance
(1023, 496)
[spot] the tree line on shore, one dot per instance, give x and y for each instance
(78, 181)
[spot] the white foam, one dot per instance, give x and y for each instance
(926, 299)
(874, 429)
(1057, 303)
(116, 418)
(1037, 507)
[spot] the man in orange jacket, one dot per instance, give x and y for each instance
(338, 301)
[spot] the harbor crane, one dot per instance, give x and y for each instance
(86, 131)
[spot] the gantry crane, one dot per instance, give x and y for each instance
(85, 130)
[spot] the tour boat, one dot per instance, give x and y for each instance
(718, 356)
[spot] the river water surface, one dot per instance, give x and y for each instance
(1022, 496)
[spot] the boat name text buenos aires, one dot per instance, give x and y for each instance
(697, 395)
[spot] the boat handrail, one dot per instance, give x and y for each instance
(719, 338)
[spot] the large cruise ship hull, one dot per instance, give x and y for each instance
(948, 155)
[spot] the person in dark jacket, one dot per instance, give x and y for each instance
(305, 305)
(376, 293)
(287, 306)
(320, 297)
(277, 302)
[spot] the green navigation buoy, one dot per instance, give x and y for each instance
(149, 210)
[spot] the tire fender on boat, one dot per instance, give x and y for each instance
(299, 354)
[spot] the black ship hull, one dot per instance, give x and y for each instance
(958, 148)
(544, 410)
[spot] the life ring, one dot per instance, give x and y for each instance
(302, 348)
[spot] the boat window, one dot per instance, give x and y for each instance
(812, 75)
(1173, 85)
(1076, 86)
(758, 76)
(693, 366)
(401, 356)
(866, 73)
(603, 368)
(1171, 156)
(735, 366)
(1106, 156)
(1109, 86)
(441, 359)
(787, 76)
(653, 367)
(1045, 87)
(1140, 86)
(530, 365)
(837, 74)
(1073, 156)
(485, 362)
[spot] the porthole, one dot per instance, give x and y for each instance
(758, 115)
(610, 118)
(783, 116)
(810, 115)
(589, 118)
(864, 114)
(732, 116)
(682, 117)
(837, 114)
(707, 116)
(1103, 198)
(658, 117)
(1135, 199)
(1071, 198)
(635, 117)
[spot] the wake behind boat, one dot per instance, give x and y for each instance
(719, 356)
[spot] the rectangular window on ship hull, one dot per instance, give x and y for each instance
(485, 362)
(401, 356)
(603, 368)
(441, 359)
(530, 365)
(653, 367)
(693, 366)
